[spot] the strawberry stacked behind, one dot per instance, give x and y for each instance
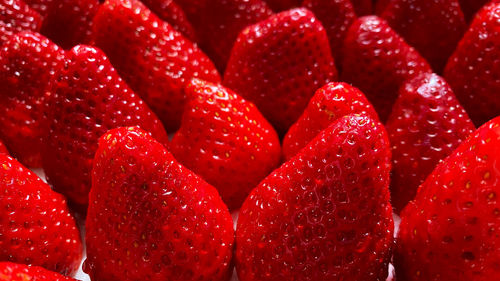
(18, 272)
(16, 16)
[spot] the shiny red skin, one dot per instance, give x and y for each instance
(278, 63)
(378, 61)
(41, 6)
(150, 218)
(473, 69)
(3, 149)
(226, 140)
(363, 7)
(433, 28)
(36, 226)
(450, 231)
(155, 60)
(426, 124)
(17, 16)
(88, 100)
(20, 272)
(281, 5)
(470, 7)
(325, 214)
(28, 62)
(336, 17)
(329, 103)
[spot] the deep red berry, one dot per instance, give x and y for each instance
(3, 149)
(470, 7)
(20, 272)
(281, 5)
(16, 16)
(363, 7)
(41, 6)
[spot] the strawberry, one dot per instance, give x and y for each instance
(426, 124)
(35, 226)
(450, 231)
(281, 5)
(28, 62)
(378, 61)
(470, 7)
(363, 7)
(473, 69)
(226, 140)
(155, 60)
(278, 63)
(324, 214)
(150, 218)
(3, 149)
(432, 27)
(88, 100)
(20, 272)
(16, 16)
(329, 103)
(41, 6)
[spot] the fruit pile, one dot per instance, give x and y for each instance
(314, 122)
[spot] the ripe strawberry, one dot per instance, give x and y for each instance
(155, 60)
(378, 61)
(450, 231)
(470, 7)
(426, 124)
(150, 218)
(380, 6)
(325, 214)
(329, 103)
(28, 62)
(88, 100)
(20, 272)
(16, 16)
(226, 140)
(279, 63)
(473, 69)
(281, 5)
(41, 6)
(432, 27)
(362, 7)
(35, 226)
(3, 149)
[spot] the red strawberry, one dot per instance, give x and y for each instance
(362, 7)
(470, 7)
(3, 149)
(432, 27)
(325, 214)
(35, 226)
(473, 70)
(281, 5)
(279, 63)
(426, 124)
(225, 140)
(15, 16)
(152, 57)
(378, 61)
(41, 6)
(28, 62)
(450, 231)
(20, 272)
(89, 99)
(329, 103)
(150, 218)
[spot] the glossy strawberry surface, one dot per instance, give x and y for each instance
(17, 16)
(3, 149)
(20, 272)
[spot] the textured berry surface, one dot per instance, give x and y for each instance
(279, 63)
(3, 149)
(20, 272)
(16, 16)
(88, 100)
(325, 214)
(35, 226)
(426, 124)
(28, 62)
(329, 103)
(155, 60)
(450, 231)
(150, 218)
(41, 6)
(226, 140)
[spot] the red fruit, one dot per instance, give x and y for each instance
(20, 272)
(363, 7)
(473, 70)
(329, 103)
(36, 227)
(470, 7)
(426, 124)
(325, 214)
(3, 149)
(150, 218)
(281, 5)
(378, 61)
(41, 6)
(155, 60)
(88, 100)
(226, 140)
(279, 63)
(16, 16)
(28, 62)
(449, 232)
(380, 6)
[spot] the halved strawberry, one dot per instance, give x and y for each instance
(20, 272)
(16, 16)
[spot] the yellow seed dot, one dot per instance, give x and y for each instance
(467, 184)
(229, 118)
(486, 175)
(227, 154)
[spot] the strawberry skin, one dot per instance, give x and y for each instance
(28, 62)
(16, 16)
(329, 103)
(450, 231)
(472, 70)
(20, 272)
(470, 7)
(362, 7)
(88, 100)
(150, 218)
(35, 227)
(226, 140)
(278, 63)
(3, 149)
(324, 214)
(41, 6)
(378, 61)
(281, 5)
(155, 60)
(426, 124)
